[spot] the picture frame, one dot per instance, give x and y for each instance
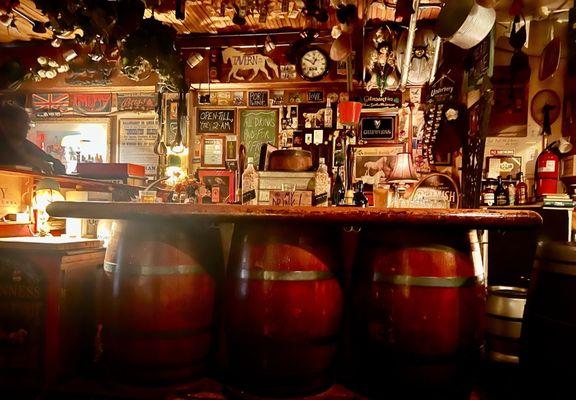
(213, 151)
(231, 145)
(442, 160)
(224, 181)
(369, 163)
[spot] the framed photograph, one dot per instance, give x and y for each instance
(372, 162)
(213, 148)
(442, 159)
(380, 127)
(220, 184)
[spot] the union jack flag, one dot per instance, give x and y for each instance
(51, 101)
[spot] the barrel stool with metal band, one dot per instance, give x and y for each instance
(283, 310)
(548, 343)
(418, 311)
(157, 305)
(504, 313)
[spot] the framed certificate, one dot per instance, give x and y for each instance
(213, 151)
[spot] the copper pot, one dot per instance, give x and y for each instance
(290, 160)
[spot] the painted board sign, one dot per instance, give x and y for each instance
(92, 103)
(258, 126)
(295, 198)
(374, 99)
(377, 127)
(136, 141)
(215, 120)
(50, 102)
(258, 98)
(137, 102)
(438, 190)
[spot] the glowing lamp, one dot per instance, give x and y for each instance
(349, 112)
(403, 171)
(47, 191)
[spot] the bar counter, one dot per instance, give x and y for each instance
(293, 297)
(471, 218)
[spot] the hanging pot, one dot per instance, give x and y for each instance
(464, 23)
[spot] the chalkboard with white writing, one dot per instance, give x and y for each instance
(215, 120)
(258, 126)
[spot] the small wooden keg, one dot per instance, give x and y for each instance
(419, 305)
(504, 314)
(157, 304)
(283, 309)
(548, 341)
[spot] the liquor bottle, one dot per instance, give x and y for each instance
(338, 190)
(321, 185)
(328, 115)
(250, 184)
(511, 191)
(501, 194)
(360, 199)
(488, 196)
(521, 190)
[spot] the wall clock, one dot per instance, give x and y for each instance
(313, 64)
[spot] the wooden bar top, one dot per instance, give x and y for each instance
(472, 218)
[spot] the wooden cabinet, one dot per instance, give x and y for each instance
(47, 320)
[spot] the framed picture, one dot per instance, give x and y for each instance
(509, 116)
(442, 159)
(372, 162)
(231, 148)
(220, 184)
(213, 148)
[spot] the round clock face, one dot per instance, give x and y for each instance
(314, 64)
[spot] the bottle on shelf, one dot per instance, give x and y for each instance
(521, 190)
(321, 184)
(501, 194)
(511, 188)
(328, 114)
(250, 183)
(360, 199)
(338, 190)
(488, 194)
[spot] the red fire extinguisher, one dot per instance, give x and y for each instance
(547, 171)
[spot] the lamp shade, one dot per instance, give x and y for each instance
(349, 112)
(403, 170)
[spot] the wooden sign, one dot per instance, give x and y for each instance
(215, 120)
(258, 126)
(374, 128)
(315, 96)
(136, 140)
(284, 198)
(258, 98)
(50, 102)
(255, 63)
(137, 102)
(438, 190)
(375, 100)
(92, 103)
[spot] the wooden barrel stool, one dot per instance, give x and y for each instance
(157, 304)
(418, 312)
(548, 346)
(283, 309)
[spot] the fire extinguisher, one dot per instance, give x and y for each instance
(547, 171)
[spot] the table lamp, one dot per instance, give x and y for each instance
(402, 174)
(47, 191)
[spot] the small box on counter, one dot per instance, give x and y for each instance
(128, 174)
(283, 181)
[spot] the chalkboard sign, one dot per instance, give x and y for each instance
(258, 98)
(378, 127)
(256, 127)
(215, 121)
(315, 96)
